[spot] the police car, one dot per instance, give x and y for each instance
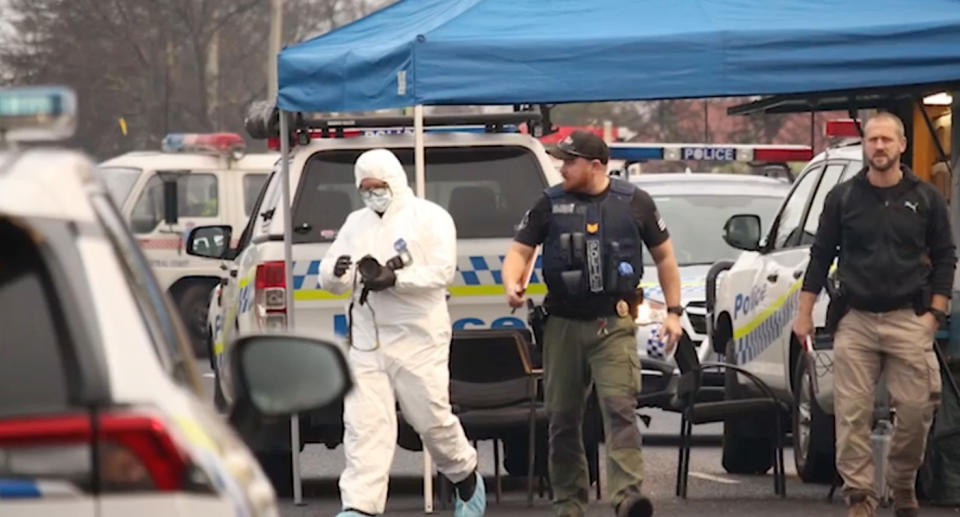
(215, 183)
(99, 414)
(693, 206)
(752, 319)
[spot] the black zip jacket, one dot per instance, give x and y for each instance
(895, 245)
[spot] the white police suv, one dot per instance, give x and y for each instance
(99, 407)
(751, 320)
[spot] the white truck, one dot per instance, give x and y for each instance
(751, 315)
(215, 183)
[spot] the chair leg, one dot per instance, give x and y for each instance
(687, 439)
(599, 471)
(496, 467)
(780, 473)
(531, 454)
(684, 459)
(683, 425)
(834, 485)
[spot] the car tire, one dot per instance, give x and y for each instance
(745, 451)
(813, 432)
(194, 304)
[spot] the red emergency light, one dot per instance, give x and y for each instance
(785, 154)
(842, 128)
(203, 143)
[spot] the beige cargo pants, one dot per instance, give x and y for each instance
(900, 344)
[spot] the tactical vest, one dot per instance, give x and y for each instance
(592, 246)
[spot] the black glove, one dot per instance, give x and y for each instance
(343, 263)
(386, 278)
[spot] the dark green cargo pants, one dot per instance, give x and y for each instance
(576, 353)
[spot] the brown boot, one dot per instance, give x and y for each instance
(859, 505)
(905, 502)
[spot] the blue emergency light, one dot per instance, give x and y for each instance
(37, 113)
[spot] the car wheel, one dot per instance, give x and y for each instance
(813, 432)
(194, 303)
(745, 451)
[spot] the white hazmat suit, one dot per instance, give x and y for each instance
(414, 338)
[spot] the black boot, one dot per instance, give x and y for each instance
(635, 506)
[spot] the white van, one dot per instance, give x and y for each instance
(215, 184)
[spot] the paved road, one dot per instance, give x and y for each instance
(711, 491)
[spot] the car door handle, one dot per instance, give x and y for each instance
(772, 277)
(797, 274)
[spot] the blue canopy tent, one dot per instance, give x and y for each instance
(522, 51)
(459, 52)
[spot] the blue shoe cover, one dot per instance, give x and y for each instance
(477, 504)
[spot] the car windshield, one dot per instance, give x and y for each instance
(695, 223)
(119, 181)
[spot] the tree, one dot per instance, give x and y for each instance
(159, 65)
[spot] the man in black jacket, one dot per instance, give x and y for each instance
(892, 235)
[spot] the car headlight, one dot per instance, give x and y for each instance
(650, 312)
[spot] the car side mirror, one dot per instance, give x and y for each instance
(282, 375)
(742, 231)
(209, 241)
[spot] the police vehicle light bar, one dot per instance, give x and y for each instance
(490, 120)
(842, 128)
(37, 113)
(274, 142)
(215, 143)
(710, 152)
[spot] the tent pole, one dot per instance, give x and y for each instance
(420, 184)
(418, 150)
(288, 282)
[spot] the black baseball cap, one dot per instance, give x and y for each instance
(583, 144)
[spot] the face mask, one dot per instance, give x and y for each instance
(377, 199)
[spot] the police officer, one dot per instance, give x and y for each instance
(592, 228)
(891, 232)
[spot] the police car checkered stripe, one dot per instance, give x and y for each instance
(23, 488)
(471, 270)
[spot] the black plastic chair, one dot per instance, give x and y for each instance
(688, 400)
(493, 391)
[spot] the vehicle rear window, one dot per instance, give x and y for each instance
(252, 184)
(485, 189)
(33, 378)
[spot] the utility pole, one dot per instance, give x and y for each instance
(276, 32)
